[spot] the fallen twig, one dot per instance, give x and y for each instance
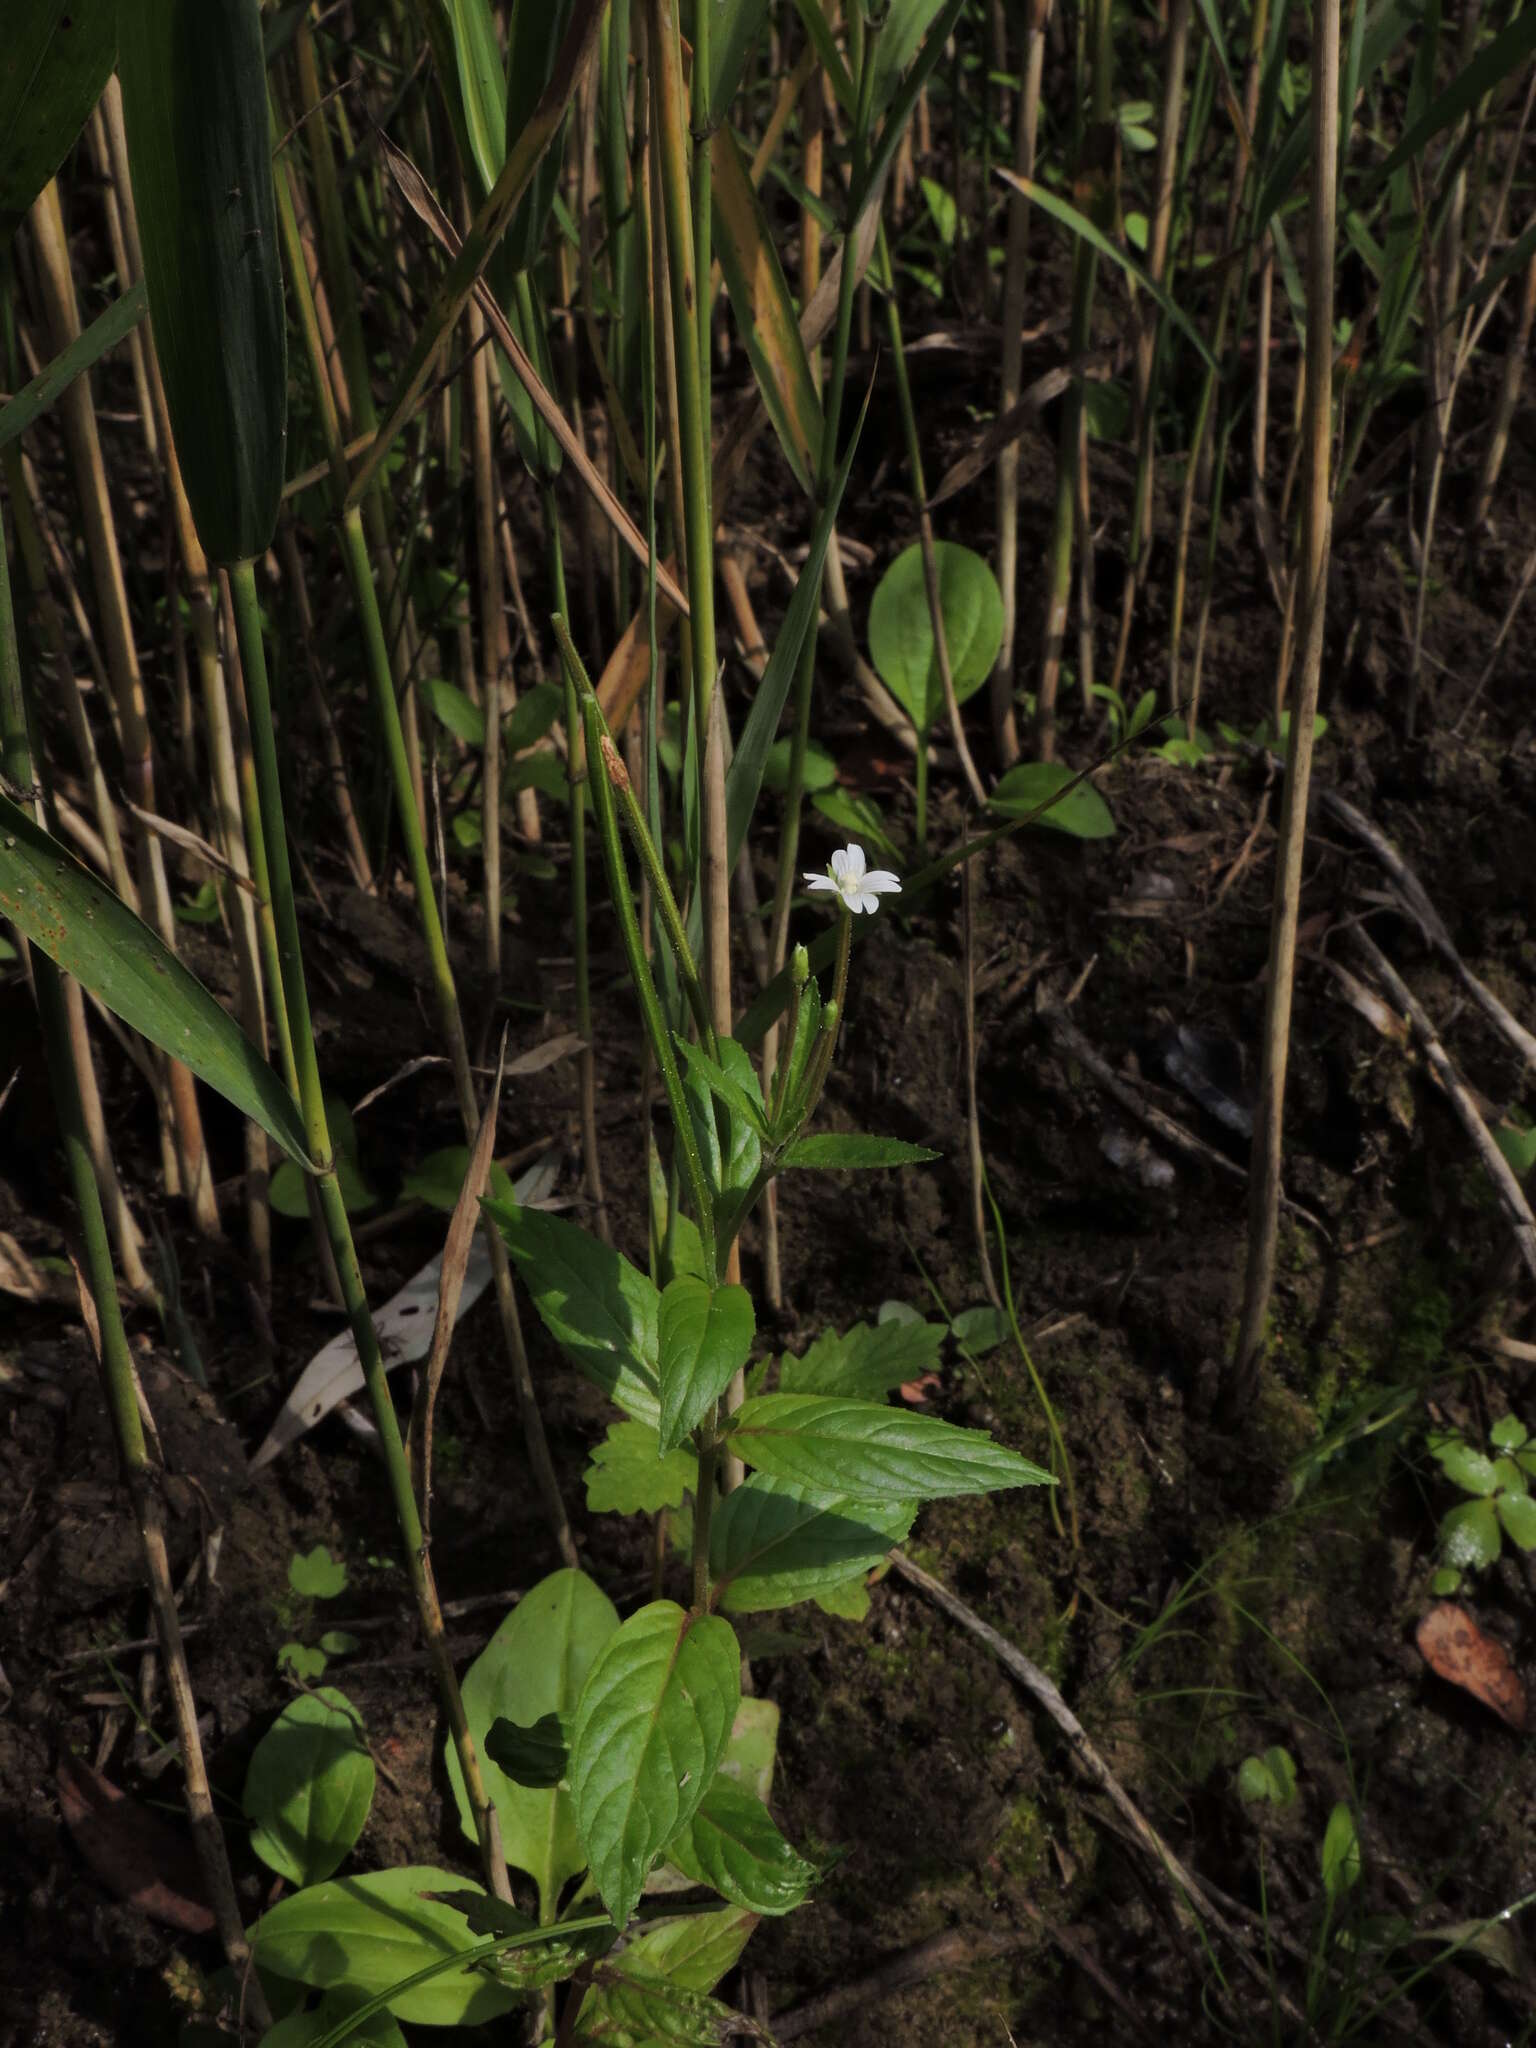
(1156, 1120)
(954, 1949)
(1190, 1896)
(1517, 1210)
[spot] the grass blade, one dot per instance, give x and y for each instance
(92, 934)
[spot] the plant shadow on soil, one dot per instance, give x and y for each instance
(1209, 1611)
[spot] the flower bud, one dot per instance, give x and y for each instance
(829, 1017)
(800, 967)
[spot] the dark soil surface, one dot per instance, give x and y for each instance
(1207, 1591)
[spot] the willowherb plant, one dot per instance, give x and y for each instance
(628, 1773)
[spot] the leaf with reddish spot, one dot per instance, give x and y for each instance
(1457, 1650)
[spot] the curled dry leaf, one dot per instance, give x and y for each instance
(1457, 1650)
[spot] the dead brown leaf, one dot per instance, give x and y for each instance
(1457, 1650)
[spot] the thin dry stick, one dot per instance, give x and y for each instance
(1264, 1183)
(955, 1948)
(972, 1119)
(1517, 1211)
(1190, 1897)
(1143, 422)
(142, 1482)
(1416, 904)
(1005, 729)
(1161, 1125)
(79, 421)
(456, 1249)
(1521, 587)
(1509, 397)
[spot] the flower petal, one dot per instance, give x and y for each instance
(883, 882)
(863, 901)
(823, 882)
(840, 863)
(854, 857)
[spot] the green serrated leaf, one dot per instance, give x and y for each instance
(705, 1337)
(650, 1730)
(550, 1961)
(92, 934)
(852, 1151)
(368, 1933)
(1463, 1464)
(1509, 1433)
(316, 1574)
(534, 1756)
(1517, 1513)
(693, 1952)
(599, 1308)
(774, 1543)
(629, 1476)
(624, 2011)
(1469, 1536)
(309, 1786)
(535, 1664)
(863, 1450)
(194, 80)
(732, 1845)
(1032, 786)
(866, 1361)
(848, 1601)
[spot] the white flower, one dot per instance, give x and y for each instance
(848, 879)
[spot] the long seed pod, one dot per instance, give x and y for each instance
(195, 104)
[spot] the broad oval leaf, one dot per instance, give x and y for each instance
(732, 1845)
(773, 1542)
(368, 1933)
(534, 1665)
(706, 1337)
(901, 628)
(863, 1450)
(852, 1150)
(194, 81)
(651, 1727)
(599, 1308)
(309, 1786)
(1037, 787)
(92, 934)
(55, 57)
